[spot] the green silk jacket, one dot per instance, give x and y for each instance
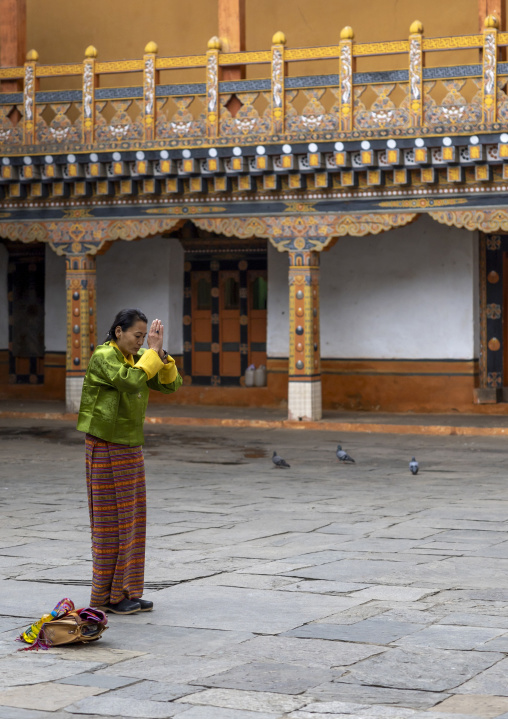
(115, 392)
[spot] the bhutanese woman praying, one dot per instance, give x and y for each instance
(112, 412)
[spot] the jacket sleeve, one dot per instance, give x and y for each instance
(107, 369)
(167, 380)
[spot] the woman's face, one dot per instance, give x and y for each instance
(132, 339)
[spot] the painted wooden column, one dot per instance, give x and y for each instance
(81, 324)
(150, 80)
(346, 68)
(304, 387)
(30, 87)
(490, 70)
(12, 38)
(212, 87)
(90, 83)
(278, 74)
(416, 74)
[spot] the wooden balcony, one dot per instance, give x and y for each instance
(140, 112)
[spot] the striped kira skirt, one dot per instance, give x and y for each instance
(115, 478)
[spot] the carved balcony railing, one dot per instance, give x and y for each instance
(413, 102)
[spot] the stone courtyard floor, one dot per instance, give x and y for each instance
(318, 592)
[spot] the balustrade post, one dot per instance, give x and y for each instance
(212, 87)
(89, 85)
(81, 324)
(304, 387)
(416, 99)
(489, 104)
(150, 80)
(346, 67)
(278, 74)
(29, 90)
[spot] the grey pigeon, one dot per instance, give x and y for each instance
(413, 466)
(343, 456)
(278, 461)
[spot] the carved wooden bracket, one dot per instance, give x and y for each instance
(309, 232)
(84, 236)
(485, 220)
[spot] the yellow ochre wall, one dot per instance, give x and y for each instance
(60, 30)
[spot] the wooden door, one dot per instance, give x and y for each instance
(229, 318)
(201, 324)
(257, 289)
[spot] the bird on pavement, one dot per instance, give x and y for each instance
(343, 456)
(414, 466)
(278, 461)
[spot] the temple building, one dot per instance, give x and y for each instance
(317, 188)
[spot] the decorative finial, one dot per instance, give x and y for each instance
(279, 38)
(91, 52)
(32, 56)
(416, 28)
(347, 33)
(491, 21)
(214, 43)
(152, 48)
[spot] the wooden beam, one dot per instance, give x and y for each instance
(12, 38)
(232, 33)
(491, 7)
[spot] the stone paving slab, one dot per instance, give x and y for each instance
(111, 706)
(491, 681)
(482, 705)
(374, 631)
(47, 697)
(271, 677)
(422, 668)
(254, 701)
(247, 610)
(450, 637)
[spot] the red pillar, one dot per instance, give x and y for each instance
(12, 38)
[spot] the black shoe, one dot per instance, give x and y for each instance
(126, 606)
(146, 606)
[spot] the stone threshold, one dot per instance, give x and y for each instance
(442, 430)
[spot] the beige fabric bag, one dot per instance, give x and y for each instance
(74, 627)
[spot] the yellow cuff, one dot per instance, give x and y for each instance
(168, 373)
(150, 362)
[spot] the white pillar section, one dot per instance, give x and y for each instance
(55, 309)
(73, 389)
(404, 294)
(4, 309)
(147, 274)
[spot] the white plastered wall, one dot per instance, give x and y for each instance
(277, 330)
(55, 308)
(147, 274)
(4, 310)
(410, 293)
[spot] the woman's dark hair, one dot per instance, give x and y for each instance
(125, 319)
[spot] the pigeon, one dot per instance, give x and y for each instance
(413, 466)
(278, 461)
(343, 456)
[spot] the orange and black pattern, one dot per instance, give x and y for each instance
(115, 477)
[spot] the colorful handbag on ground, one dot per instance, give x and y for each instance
(65, 625)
